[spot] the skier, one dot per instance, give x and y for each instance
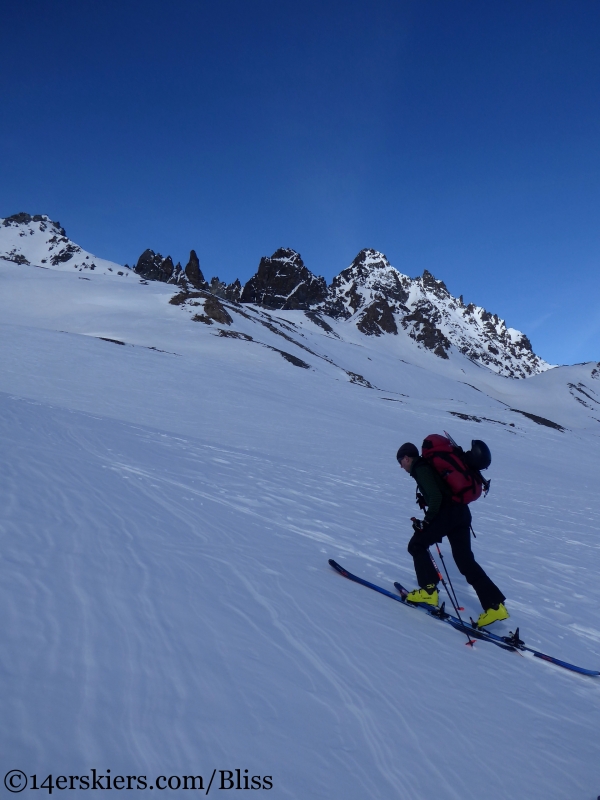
(445, 518)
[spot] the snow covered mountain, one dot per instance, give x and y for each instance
(178, 466)
(379, 298)
(369, 295)
(38, 241)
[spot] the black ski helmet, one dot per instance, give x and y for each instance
(479, 456)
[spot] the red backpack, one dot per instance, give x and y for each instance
(459, 470)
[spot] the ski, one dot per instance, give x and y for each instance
(512, 642)
(439, 614)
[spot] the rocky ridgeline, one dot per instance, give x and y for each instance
(152, 266)
(370, 293)
(374, 295)
(380, 299)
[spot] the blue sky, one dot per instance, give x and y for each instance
(456, 136)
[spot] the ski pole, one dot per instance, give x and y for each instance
(470, 641)
(460, 608)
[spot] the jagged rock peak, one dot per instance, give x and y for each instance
(368, 260)
(369, 265)
(153, 267)
(285, 255)
(193, 272)
(431, 284)
(382, 300)
(283, 282)
(230, 291)
(370, 277)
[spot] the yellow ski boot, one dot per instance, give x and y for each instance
(493, 614)
(429, 595)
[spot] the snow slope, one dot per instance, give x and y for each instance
(370, 295)
(168, 509)
(37, 240)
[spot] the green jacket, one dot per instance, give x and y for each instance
(431, 485)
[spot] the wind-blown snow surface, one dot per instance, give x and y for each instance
(165, 524)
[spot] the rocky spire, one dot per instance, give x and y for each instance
(153, 267)
(193, 273)
(283, 282)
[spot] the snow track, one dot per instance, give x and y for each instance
(166, 606)
(169, 608)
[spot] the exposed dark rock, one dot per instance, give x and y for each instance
(422, 327)
(215, 310)
(540, 420)
(355, 300)
(370, 270)
(24, 219)
(314, 317)
(370, 292)
(231, 292)
(217, 287)
(283, 282)
(19, 219)
(235, 335)
(153, 267)
(368, 263)
(525, 343)
(580, 390)
(472, 418)
(336, 308)
(376, 319)
(66, 254)
(465, 416)
(297, 362)
(114, 341)
(180, 298)
(596, 371)
(429, 283)
(17, 258)
(193, 272)
(356, 378)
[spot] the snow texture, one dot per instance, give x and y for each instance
(171, 492)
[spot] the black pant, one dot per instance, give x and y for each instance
(453, 521)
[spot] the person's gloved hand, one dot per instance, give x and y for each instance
(418, 524)
(421, 501)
